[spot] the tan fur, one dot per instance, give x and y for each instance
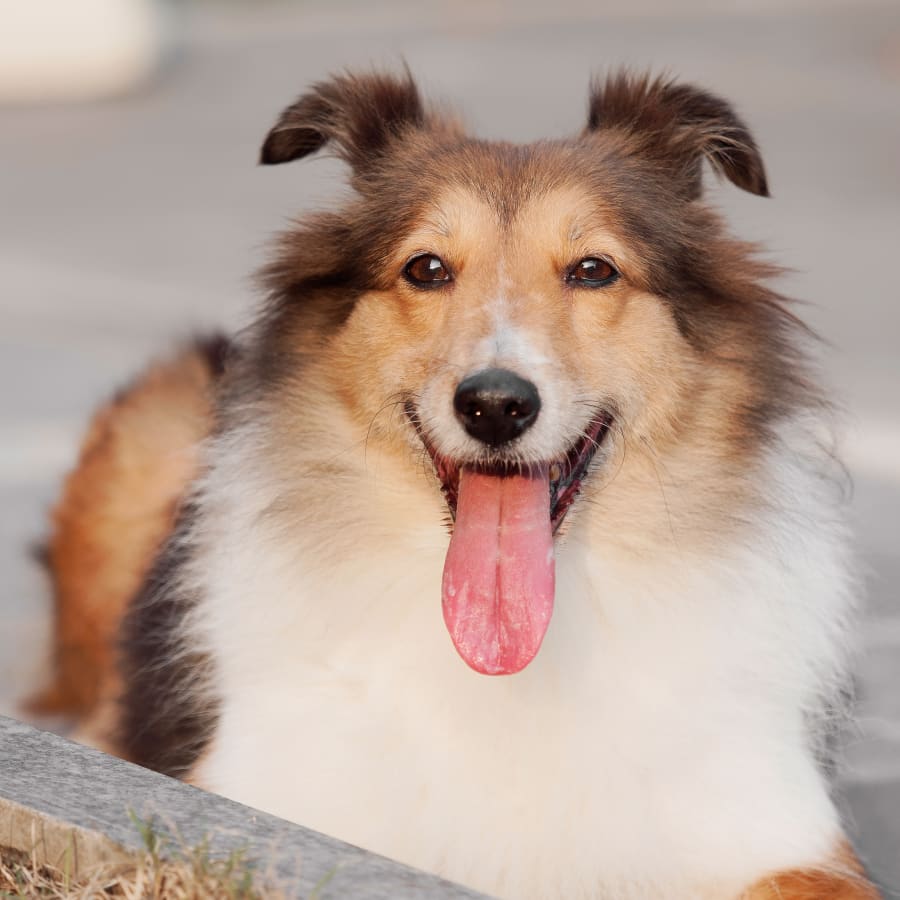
(118, 505)
(843, 879)
(677, 405)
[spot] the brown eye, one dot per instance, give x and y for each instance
(592, 272)
(426, 271)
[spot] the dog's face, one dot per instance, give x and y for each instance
(526, 314)
(551, 292)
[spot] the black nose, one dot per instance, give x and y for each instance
(496, 405)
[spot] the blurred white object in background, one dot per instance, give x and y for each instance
(60, 50)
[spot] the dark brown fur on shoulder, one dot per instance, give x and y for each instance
(166, 718)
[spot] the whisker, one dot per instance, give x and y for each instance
(391, 403)
(657, 464)
(617, 429)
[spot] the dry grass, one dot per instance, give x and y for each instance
(161, 872)
(143, 879)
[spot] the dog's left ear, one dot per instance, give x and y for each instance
(360, 114)
(680, 125)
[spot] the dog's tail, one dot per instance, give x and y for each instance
(118, 505)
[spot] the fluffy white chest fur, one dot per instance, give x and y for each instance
(659, 745)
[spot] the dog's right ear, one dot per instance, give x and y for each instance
(360, 114)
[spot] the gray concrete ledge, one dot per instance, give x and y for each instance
(58, 797)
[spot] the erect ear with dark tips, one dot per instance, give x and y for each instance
(680, 125)
(360, 114)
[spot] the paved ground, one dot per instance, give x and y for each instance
(126, 223)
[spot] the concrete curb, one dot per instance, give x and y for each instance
(73, 806)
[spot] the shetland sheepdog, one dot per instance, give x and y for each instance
(507, 542)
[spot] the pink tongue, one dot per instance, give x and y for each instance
(499, 573)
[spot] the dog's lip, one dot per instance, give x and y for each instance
(567, 472)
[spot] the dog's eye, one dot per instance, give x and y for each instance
(426, 271)
(592, 272)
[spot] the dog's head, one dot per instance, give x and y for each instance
(540, 314)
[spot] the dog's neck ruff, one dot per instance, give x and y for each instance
(647, 688)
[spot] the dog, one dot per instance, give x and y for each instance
(508, 541)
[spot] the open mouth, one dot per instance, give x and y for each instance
(566, 474)
(499, 581)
